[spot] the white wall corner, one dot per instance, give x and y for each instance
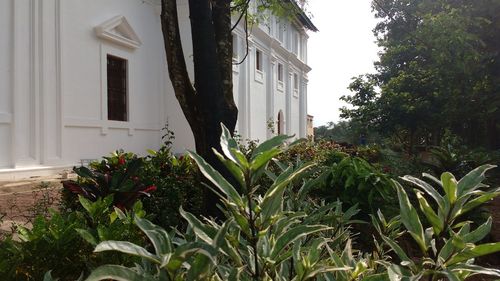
(118, 31)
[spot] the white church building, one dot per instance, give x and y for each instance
(81, 78)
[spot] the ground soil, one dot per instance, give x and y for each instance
(21, 200)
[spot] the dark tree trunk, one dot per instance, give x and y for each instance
(210, 102)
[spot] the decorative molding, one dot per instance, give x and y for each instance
(118, 31)
(259, 76)
(104, 125)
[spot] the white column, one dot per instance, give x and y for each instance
(289, 95)
(50, 86)
(26, 81)
(303, 107)
(271, 86)
(6, 81)
(250, 66)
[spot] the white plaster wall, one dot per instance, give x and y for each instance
(257, 95)
(51, 83)
(104, 145)
(295, 117)
(87, 132)
(5, 81)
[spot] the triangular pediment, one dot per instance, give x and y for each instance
(119, 31)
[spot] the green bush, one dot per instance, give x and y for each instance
(178, 184)
(117, 175)
(355, 182)
(447, 244)
(283, 234)
(275, 235)
(163, 181)
(61, 243)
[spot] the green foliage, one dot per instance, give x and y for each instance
(438, 71)
(163, 181)
(277, 235)
(448, 246)
(64, 242)
(117, 175)
(178, 184)
(355, 182)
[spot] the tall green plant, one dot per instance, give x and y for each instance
(448, 246)
(261, 239)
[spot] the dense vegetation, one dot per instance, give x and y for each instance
(293, 213)
(438, 76)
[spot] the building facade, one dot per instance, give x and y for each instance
(80, 78)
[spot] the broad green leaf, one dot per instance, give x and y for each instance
(187, 250)
(310, 184)
(273, 199)
(263, 158)
(269, 145)
(232, 167)
(86, 204)
(398, 250)
(118, 273)
(241, 221)
(202, 231)
(449, 275)
(87, 236)
(479, 233)
(126, 248)
(470, 181)
(292, 235)
(446, 251)
(449, 186)
(217, 179)
(219, 238)
(227, 143)
(399, 273)
(476, 202)
(474, 252)
(476, 269)
(241, 158)
(410, 218)
(157, 235)
(324, 269)
(437, 224)
(427, 188)
(199, 268)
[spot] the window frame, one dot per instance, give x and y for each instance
(296, 84)
(280, 75)
(125, 77)
(258, 60)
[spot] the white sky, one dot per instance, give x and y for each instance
(343, 48)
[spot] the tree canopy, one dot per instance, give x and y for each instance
(438, 71)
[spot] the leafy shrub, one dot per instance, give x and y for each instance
(174, 180)
(178, 184)
(117, 175)
(447, 245)
(267, 236)
(59, 243)
(355, 182)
